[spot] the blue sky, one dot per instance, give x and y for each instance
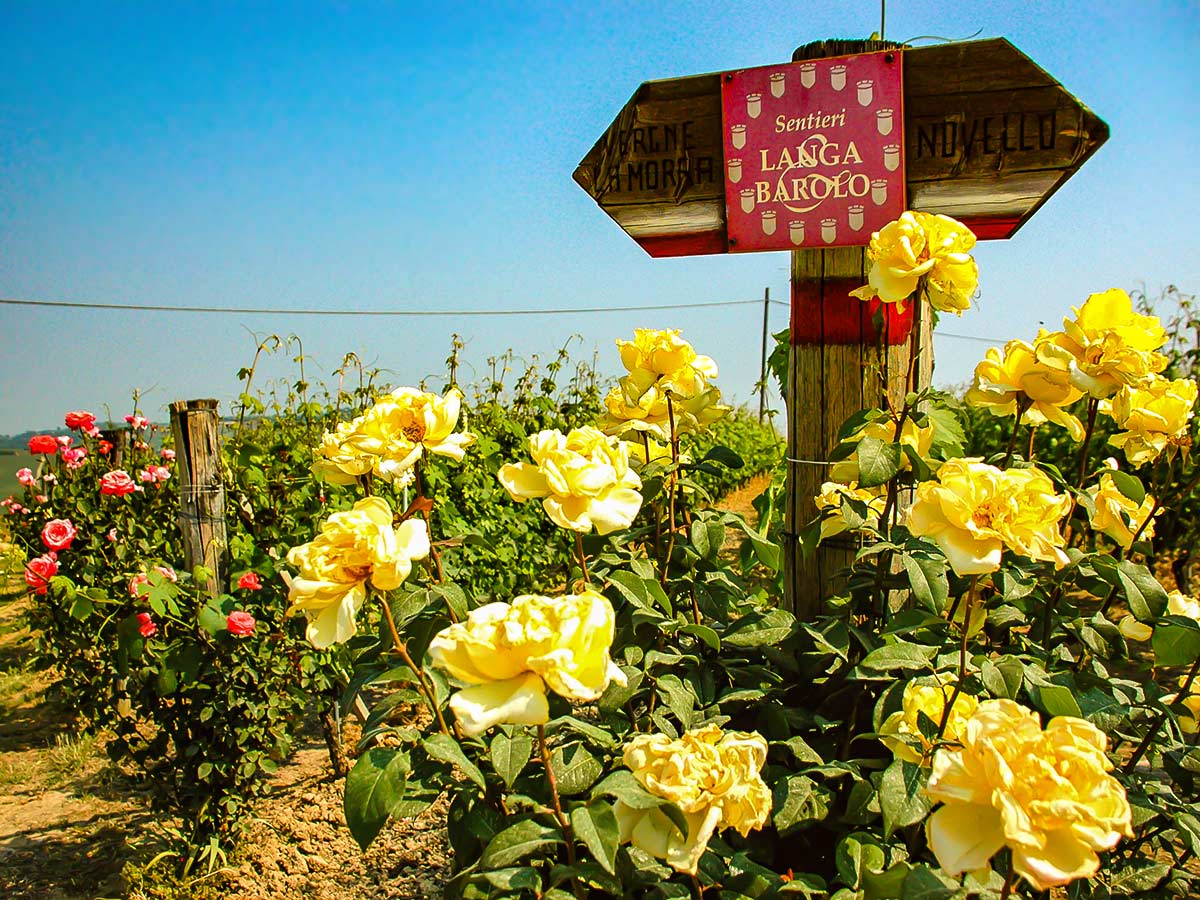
(384, 156)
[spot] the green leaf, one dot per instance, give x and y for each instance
(81, 608)
(760, 629)
(704, 633)
(901, 798)
(725, 456)
(622, 785)
(211, 619)
(510, 755)
(856, 855)
(373, 789)
(445, 748)
(575, 769)
(798, 801)
(878, 462)
(901, 655)
(1146, 597)
(455, 597)
(1136, 878)
(1004, 677)
(596, 825)
(707, 538)
(1129, 485)
(517, 842)
(519, 878)
(1058, 700)
(1176, 641)
(928, 580)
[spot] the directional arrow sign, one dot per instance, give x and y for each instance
(988, 137)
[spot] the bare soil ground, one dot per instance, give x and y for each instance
(73, 826)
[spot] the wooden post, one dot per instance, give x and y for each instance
(201, 492)
(839, 364)
(762, 365)
(119, 438)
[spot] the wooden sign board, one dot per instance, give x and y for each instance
(813, 152)
(988, 137)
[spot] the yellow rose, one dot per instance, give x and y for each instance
(1118, 516)
(662, 359)
(918, 437)
(355, 546)
(392, 435)
(583, 479)
(508, 654)
(930, 699)
(712, 776)
(1155, 415)
(1012, 378)
(922, 245)
(829, 505)
(337, 461)
(1189, 722)
(650, 413)
(973, 511)
(1046, 795)
(1106, 346)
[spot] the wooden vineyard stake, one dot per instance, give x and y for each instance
(201, 491)
(119, 438)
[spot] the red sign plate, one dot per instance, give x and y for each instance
(814, 152)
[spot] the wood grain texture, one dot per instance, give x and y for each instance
(194, 424)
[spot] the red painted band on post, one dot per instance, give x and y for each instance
(825, 313)
(698, 244)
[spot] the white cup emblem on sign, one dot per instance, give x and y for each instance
(855, 217)
(883, 120)
(866, 92)
(747, 195)
(837, 77)
(735, 170)
(796, 232)
(808, 75)
(829, 230)
(753, 105)
(737, 135)
(768, 221)
(777, 85)
(879, 191)
(891, 157)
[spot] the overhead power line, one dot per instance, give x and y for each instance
(66, 304)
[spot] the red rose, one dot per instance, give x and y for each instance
(81, 419)
(105, 447)
(146, 626)
(58, 534)
(43, 443)
(250, 582)
(240, 623)
(117, 483)
(39, 571)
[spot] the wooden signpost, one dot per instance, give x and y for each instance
(814, 155)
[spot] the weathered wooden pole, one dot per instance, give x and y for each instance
(839, 363)
(201, 491)
(119, 438)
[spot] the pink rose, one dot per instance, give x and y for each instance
(140, 445)
(146, 626)
(43, 443)
(49, 478)
(65, 440)
(81, 419)
(58, 534)
(25, 476)
(74, 458)
(92, 432)
(146, 475)
(240, 623)
(41, 498)
(136, 582)
(162, 473)
(250, 582)
(137, 421)
(167, 453)
(167, 572)
(117, 483)
(39, 571)
(112, 535)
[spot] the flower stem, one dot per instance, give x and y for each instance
(422, 681)
(962, 657)
(1184, 690)
(1022, 405)
(563, 822)
(1093, 407)
(697, 889)
(671, 492)
(582, 556)
(1009, 880)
